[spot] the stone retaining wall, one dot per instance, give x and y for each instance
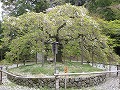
(77, 82)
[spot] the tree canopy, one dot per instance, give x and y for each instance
(76, 32)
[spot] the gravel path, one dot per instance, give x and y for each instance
(7, 85)
(112, 83)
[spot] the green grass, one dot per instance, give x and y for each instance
(48, 69)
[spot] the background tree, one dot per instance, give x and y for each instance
(1, 57)
(111, 29)
(2, 48)
(114, 27)
(53, 3)
(62, 2)
(19, 7)
(107, 9)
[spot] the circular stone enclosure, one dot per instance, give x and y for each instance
(71, 82)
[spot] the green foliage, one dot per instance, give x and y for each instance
(78, 23)
(103, 3)
(56, 2)
(19, 7)
(72, 48)
(107, 14)
(62, 2)
(76, 2)
(2, 48)
(21, 35)
(40, 5)
(112, 30)
(31, 32)
(0, 34)
(107, 9)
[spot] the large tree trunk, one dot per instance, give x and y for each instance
(60, 46)
(59, 54)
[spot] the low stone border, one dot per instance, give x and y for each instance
(76, 82)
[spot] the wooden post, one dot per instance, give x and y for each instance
(109, 70)
(0, 76)
(118, 68)
(56, 83)
(65, 71)
(65, 82)
(119, 80)
(109, 67)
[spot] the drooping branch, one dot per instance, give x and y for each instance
(64, 24)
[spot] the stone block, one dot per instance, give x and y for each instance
(76, 82)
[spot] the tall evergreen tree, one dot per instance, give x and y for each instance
(107, 9)
(18, 7)
(2, 50)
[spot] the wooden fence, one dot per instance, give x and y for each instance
(88, 73)
(57, 75)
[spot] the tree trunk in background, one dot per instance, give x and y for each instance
(24, 61)
(82, 49)
(1, 54)
(36, 57)
(45, 58)
(18, 59)
(92, 55)
(36, 54)
(17, 64)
